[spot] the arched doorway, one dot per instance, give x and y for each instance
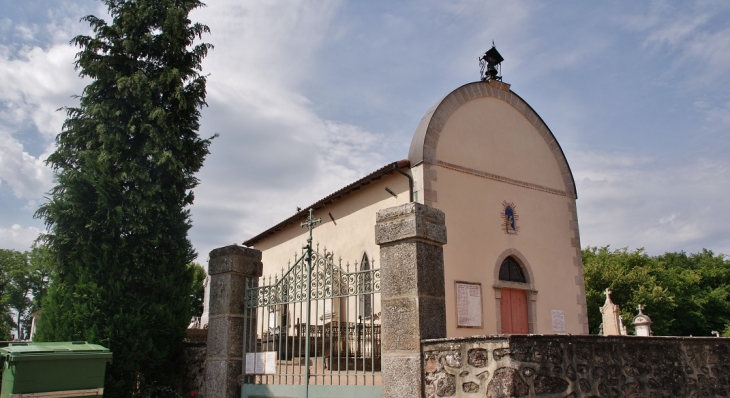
(513, 303)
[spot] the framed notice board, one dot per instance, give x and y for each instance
(468, 304)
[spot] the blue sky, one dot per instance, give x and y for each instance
(307, 96)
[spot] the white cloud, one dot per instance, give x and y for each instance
(36, 82)
(26, 175)
(26, 33)
(694, 34)
(264, 44)
(275, 152)
(17, 237)
(657, 204)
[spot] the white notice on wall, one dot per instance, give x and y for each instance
(261, 362)
(270, 362)
(468, 304)
(250, 363)
(558, 321)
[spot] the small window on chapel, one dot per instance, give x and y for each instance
(511, 271)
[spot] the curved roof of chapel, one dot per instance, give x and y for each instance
(425, 138)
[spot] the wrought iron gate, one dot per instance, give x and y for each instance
(313, 330)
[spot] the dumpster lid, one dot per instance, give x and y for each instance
(64, 347)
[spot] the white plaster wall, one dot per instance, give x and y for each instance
(349, 236)
(352, 232)
(476, 238)
(489, 135)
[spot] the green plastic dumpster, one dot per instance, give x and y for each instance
(66, 369)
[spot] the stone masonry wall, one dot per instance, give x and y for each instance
(576, 366)
(194, 361)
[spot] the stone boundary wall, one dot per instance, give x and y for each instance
(194, 369)
(576, 366)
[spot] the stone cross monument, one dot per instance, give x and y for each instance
(612, 323)
(642, 323)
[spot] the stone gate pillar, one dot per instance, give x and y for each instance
(411, 237)
(229, 268)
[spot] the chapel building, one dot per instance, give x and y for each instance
(486, 159)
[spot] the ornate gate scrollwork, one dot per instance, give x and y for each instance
(305, 327)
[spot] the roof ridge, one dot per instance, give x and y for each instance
(346, 190)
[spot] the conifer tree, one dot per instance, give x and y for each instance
(125, 167)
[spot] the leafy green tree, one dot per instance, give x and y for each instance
(628, 276)
(701, 286)
(25, 277)
(31, 286)
(9, 260)
(684, 295)
(125, 168)
(20, 293)
(197, 289)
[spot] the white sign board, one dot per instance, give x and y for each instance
(261, 362)
(270, 362)
(468, 305)
(250, 363)
(558, 321)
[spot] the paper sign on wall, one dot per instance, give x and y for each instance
(468, 305)
(558, 321)
(270, 362)
(261, 362)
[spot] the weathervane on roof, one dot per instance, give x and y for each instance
(488, 64)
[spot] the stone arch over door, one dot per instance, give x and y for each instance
(506, 287)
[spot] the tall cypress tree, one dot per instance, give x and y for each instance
(125, 168)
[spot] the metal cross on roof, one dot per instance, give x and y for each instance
(640, 308)
(310, 223)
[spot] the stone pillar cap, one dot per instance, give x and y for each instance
(410, 220)
(237, 259)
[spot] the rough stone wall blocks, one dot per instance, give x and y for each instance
(229, 269)
(576, 366)
(412, 295)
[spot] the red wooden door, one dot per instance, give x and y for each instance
(513, 306)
